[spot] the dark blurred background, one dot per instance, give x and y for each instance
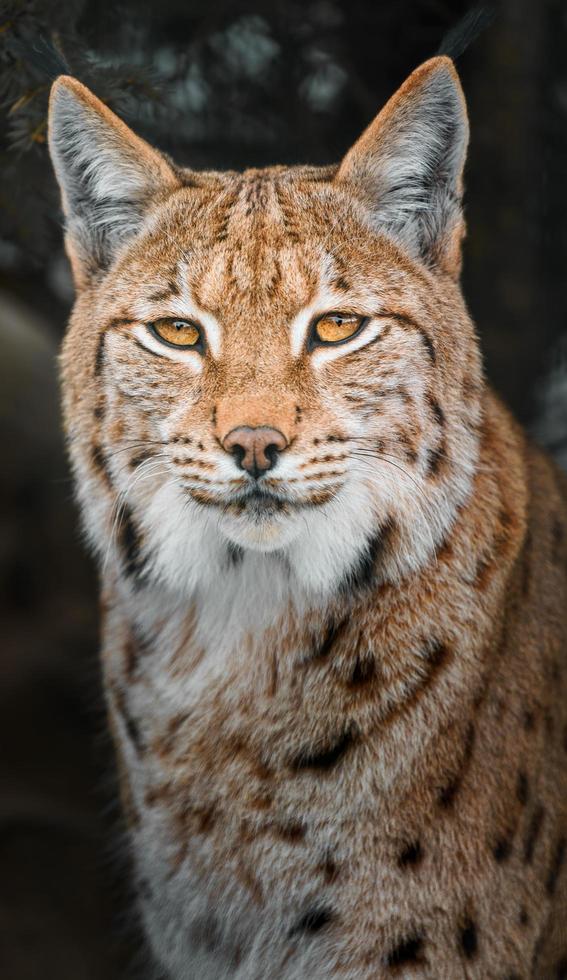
(225, 84)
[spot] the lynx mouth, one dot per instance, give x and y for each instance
(260, 502)
(259, 519)
(263, 502)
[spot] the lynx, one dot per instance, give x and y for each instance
(333, 569)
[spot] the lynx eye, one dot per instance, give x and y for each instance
(177, 333)
(335, 328)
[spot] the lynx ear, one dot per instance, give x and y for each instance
(106, 173)
(408, 165)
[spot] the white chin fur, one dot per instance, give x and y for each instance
(189, 546)
(264, 534)
(190, 549)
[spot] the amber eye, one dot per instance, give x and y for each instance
(334, 328)
(177, 333)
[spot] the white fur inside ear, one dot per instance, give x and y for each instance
(409, 162)
(106, 174)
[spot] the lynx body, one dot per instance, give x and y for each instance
(334, 572)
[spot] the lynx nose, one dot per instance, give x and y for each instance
(255, 448)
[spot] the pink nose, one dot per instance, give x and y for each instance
(255, 449)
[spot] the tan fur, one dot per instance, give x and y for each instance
(361, 777)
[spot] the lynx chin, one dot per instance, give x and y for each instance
(333, 569)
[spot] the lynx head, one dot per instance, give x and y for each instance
(273, 369)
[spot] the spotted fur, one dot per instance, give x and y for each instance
(338, 702)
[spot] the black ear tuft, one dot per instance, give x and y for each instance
(45, 57)
(466, 31)
(41, 56)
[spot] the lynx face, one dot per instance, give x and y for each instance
(272, 369)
